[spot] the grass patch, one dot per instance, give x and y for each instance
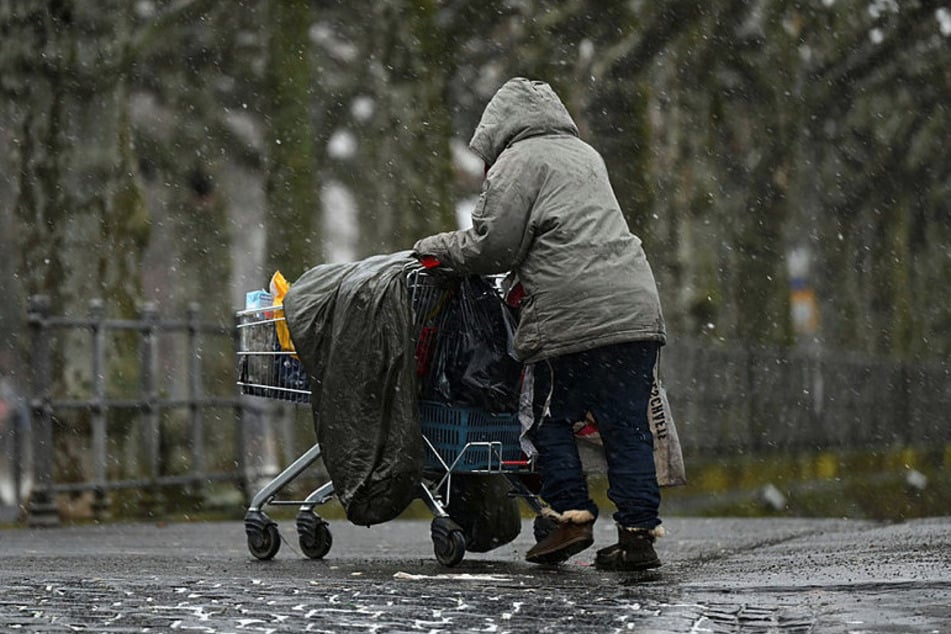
(890, 485)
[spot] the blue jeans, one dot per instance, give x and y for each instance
(613, 383)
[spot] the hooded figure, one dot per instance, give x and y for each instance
(548, 214)
(590, 318)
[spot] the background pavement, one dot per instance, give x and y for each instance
(720, 575)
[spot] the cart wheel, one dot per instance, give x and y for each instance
(264, 543)
(542, 527)
(313, 535)
(450, 549)
(449, 542)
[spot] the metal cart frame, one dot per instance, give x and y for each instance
(268, 370)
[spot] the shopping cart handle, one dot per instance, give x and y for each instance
(429, 262)
(516, 463)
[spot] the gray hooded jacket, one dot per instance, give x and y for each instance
(548, 214)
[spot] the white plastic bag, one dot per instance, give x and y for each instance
(668, 455)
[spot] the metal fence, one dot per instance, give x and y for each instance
(728, 400)
(725, 400)
(150, 405)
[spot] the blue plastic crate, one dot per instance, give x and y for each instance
(449, 429)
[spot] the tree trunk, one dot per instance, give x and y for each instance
(294, 240)
(80, 215)
(403, 178)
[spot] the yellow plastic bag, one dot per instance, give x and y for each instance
(279, 288)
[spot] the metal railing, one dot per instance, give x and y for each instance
(148, 406)
(726, 401)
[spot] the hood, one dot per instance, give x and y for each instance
(520, 109)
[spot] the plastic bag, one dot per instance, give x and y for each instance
(279, 287)
(668, 454)
(473, 365)
(483, 507)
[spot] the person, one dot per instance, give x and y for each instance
(590, 320)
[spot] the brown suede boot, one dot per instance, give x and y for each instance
(571, 535)
(634, 551)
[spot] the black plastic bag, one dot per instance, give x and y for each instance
(290, 375)
(482, 507)
(473, 364)
(276, 376)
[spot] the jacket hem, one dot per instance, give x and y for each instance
(590, 344)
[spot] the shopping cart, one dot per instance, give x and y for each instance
(458, 440)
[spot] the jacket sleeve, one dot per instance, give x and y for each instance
(500, 234)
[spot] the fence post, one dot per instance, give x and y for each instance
(196, 429)
(817, 412)
(241, 423)
(96, 314)
(17, 461)
(751, 418)
(906, 432)
(42, 508)
(151, 430)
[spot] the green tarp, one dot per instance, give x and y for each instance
(352, 327)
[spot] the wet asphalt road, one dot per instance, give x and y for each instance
(720, 575)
